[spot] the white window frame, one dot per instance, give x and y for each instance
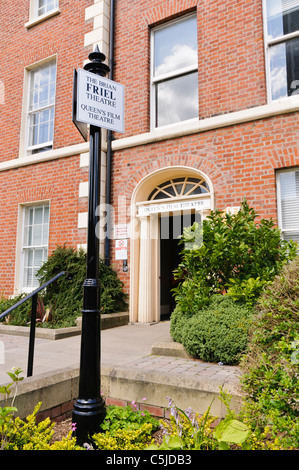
(268, 43)
(279, 207)
(30, 149)
(47, 8)
(173, 74)
(24, 247)
(34, 16)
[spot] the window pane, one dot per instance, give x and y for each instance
(38, 215)
(177, 99)
(36, 236)
(43, 6)
(291, 236)
(289, 189)
(46, 214)
(38, 257)
(45, 234)
(29, 258)
(41, 105)
(42, 89)
(27, 277)
(41, 127)
(175, 46)
(282, 17)
(284, 69)
(29, 240)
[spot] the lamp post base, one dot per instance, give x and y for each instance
(87, 418)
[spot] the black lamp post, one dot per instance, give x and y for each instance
(89, 409)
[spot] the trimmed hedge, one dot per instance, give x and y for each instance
(271, 365)
(217, 333)
(63, 300)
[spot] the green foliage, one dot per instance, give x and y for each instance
(246, 290)
(234, 249)
(131, 429)
(217, 333)
(231, 431)
(124, 439)
(126, 418)
(21, 315)
(270, 368)
(29, 435)
(189, 431)
(186, 430)
(7, 412)
(66, 296)
(63, 300)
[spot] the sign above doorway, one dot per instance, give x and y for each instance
(198, 205)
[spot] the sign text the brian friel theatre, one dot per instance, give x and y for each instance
(100, 101)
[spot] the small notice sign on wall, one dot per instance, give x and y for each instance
(121, 249)
(121, 231)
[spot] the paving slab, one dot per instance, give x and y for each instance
(132, 367)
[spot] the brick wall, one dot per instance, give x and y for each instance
(230, 55)
(57, 180)
(22, 46)
(239, 159)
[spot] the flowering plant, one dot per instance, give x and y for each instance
(189, 431)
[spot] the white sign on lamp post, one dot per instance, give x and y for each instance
(100, 101)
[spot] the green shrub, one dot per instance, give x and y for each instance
(21, 315)
(124, 439)
(27, 434)
(270, 367)
(217, 333)
(127, 417)
(177, 321)
(234, 249)
(64, 298)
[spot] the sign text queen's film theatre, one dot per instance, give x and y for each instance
(100, 101)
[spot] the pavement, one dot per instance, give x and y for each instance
(119, 346)
(138, 359)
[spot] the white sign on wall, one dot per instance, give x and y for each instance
(100, 101)
(198, 205)
(121, 249)
(121, 231)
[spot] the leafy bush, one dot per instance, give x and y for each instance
(27, 434)
(124, 439)
(187, 430)
(270, 367)
(234, 249)
(21, 315)
(130, 429)
(217, 333)
(126, 418)
(63, 300)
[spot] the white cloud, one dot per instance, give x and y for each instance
(181, 56)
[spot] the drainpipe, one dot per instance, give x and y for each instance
(109, 137)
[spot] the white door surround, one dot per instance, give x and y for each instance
(145, 213)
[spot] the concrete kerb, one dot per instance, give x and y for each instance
(108, 320)
(155, 372)
(51, 389)
(199, 393)
(128, 383)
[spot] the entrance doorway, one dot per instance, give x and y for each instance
(171, 228)
(162, 203)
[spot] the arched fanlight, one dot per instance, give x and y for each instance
(179, 187)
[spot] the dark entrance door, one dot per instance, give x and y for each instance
(171, 227)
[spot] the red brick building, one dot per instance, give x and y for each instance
(43, 158)
(211, 118)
